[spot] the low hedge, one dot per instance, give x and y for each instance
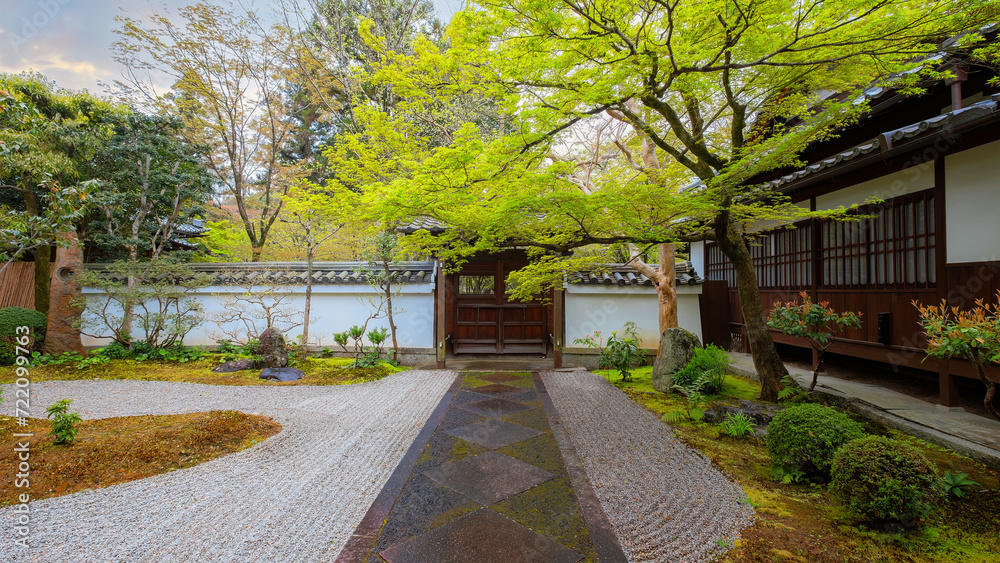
(805, 438)
(884, 480)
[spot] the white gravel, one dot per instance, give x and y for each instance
(295, 497)
(664, 500)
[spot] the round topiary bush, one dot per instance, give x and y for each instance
(10, 319)
(805, 437)
(884, 480)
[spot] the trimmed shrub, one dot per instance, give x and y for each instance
(706, 369)
(10, 319)
(884, 480)
(804, 438)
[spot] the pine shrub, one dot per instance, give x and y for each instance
(884, 480)
(804, 439)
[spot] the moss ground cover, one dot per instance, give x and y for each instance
(110, 451)
(806, 523)
(319, 371)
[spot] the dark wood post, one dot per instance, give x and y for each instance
(558, 324)
(439, 315)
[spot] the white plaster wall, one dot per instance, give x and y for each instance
(334, 309)
(908, 181)
(972, 193)
(608, 308)
(697, 252)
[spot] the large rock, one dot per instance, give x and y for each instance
(272, 349)
(60, 335)
(281, 374)
(676, 349)
(235, 365)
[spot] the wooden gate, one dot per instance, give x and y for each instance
(483, 320)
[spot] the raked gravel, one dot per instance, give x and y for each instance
(664, 500)
(295, 497)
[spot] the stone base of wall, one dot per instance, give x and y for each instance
(588, 357)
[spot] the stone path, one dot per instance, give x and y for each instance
(295, 497)
(500, 479)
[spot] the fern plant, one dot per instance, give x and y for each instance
(955, 483)
(737, 425)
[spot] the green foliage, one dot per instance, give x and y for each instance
(159, 297)
(956, 483)
(10, 319)
(40, 359)
(693, 398)
(884, 480)
(363, 357)
(791, 390)
(706, 370)
(973, 335)
(806, 437)
(63, 425)
(621, 353)
(737, 425)
(816, 322)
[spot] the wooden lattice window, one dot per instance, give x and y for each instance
(782, 259)
(718, 267)
(894, 249)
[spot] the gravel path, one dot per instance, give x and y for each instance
(664, 500)
(295, 497)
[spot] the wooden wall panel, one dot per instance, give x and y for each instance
(17, 285)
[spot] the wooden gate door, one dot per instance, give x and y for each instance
(485, 321)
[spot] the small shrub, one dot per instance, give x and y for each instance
(737, 425)
(955, 483)
(622, 352)
(805, 437)
(63, 425)
(10, 319)
(707, 370)
(884, 480)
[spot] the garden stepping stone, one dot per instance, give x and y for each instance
(493, 433)
(282, 374)
(496, 407)
(483, 536)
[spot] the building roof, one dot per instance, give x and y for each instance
(975, 114)
(351, 273)
(195, 228)
(623, 274)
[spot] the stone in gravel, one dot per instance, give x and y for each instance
(676, 349)
(272, 349)
(235, 365)
(282, 374)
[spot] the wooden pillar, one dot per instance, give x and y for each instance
(947, 387)
(439, 315)
(558, 324)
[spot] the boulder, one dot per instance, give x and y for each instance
(60, 335)
(676, 349)
(281, 374)
(272, 349)
(236, 365)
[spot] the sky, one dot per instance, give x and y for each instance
(69, 41)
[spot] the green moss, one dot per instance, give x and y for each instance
(551, 510)
(318, 371)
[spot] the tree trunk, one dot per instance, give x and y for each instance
(666, 288)
(665, 281)
(388, 306)
(43, 278)
(991, 389)
(309, 290)
(766, 361)
(255, 252)
(43, 259)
